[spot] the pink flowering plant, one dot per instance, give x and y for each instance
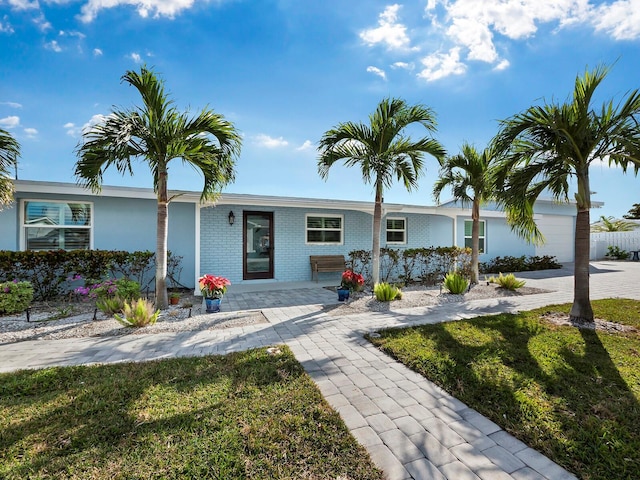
(212, 286)
(352, 281)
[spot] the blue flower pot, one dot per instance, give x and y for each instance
(343, 294)
(212, 304)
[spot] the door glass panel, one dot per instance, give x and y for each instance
(258, 244)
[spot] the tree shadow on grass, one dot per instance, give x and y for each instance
(188, 417)
(512, 369)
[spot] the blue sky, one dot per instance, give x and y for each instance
(286, 71)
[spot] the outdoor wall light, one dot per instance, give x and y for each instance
(232, 218)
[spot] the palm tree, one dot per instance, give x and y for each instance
(470, 177)
(9, 153)
(158, 133)
(382, 151)
(610, 224)
(546, 146)
(633, 213)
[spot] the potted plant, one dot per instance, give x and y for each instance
(174, 298)
(351, 282)
(213, 289)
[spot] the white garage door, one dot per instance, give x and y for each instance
(559, 233)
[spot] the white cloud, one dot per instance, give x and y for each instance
(53, 46)
(72, 33)
(439, 65)
(469, 29)
(388, 31)
(42, 23)
(621, 19)
(24, 4)
(476, 37)
(97, 52)
(135, 57)
(504, 64)
(5, 26)
(31, 132)
(305, 146)
(377, 71)
(403, 65)
(146, 8)
(11, 104)
(9, 122)
(74, 131)
(270, 142)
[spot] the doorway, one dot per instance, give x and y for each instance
(257, 245)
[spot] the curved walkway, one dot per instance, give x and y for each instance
(411, 428)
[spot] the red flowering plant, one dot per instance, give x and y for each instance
(352, 281)
(212, 286)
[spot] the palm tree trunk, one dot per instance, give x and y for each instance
(162, 234)
(581, 311)
(375, 249)
(475, 240)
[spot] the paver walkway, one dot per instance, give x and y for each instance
(411, 428)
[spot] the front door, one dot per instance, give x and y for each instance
(258, 245)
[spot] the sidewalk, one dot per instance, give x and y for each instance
(411, 428)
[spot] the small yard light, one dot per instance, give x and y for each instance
(232, 218)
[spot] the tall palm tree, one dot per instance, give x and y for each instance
(382, 151)
(470, 177)
(157, 133)
(547, 146)
(9, 153)
(610, 224)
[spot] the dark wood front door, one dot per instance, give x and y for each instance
(257, 245)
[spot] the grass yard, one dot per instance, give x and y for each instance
(246, 415)
(571, 394)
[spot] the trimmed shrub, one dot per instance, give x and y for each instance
(411, 265)
(615, 252)
(49, 271)
(15, 297)
(519, 264)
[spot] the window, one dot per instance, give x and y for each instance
(324, 229)
(396, 230)
(56, 225)
(468, 225)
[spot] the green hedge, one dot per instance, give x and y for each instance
(427, 266)
(519, 264)
(57, 272)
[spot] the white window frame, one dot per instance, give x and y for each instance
(403, 230)
(24, 226)
(323, 215)
(482, 238)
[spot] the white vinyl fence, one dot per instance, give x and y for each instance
(600, 242)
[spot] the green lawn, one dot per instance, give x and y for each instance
(571, 394)
(245, 415)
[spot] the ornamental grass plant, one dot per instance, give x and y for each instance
(455, 283)
(386, 292)
(138, 313)
(508, 281)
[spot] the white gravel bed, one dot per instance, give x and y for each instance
(421, 297)
(44, 326)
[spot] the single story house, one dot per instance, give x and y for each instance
(256, 238)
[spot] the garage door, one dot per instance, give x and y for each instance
(559, 233)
